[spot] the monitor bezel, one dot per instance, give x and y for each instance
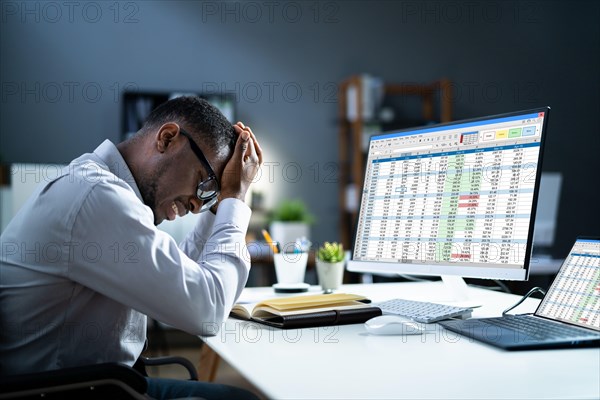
(517, 274)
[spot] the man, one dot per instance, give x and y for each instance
(83, 264)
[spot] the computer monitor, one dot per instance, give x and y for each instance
(455, 199)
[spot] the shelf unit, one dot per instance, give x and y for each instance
(351, 133)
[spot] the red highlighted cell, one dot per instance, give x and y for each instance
(461, 256)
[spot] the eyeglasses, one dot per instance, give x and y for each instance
(208, 189)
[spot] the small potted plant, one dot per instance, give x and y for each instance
(289, 221)
(330, 266)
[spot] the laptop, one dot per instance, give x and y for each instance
(568, 316)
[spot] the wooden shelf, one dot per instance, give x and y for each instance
(352, 159)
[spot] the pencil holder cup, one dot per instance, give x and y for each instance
(290, 267)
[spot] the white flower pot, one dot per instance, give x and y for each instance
(286, 233)
(330, 275)
(290, 267)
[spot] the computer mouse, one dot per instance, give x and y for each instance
(393, 325)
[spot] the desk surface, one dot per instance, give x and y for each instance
(347, 362)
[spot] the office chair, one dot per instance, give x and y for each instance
(101, 381)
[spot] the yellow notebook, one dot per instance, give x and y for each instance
(308, 311)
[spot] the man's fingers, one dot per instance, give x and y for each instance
(240, 128)
(245, 131)
(250, 154)
(249, 147)
(259, 152)
(249, 130)
(242, 168)
(243, 143)
(256, 146)
(257, 149)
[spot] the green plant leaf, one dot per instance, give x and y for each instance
(292, 211)
(331, 252)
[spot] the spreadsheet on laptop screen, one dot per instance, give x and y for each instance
(460, 194)
(575, 293)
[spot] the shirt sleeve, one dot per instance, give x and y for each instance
(193, 243)
(128, 259)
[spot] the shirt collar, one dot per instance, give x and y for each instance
(111, 156)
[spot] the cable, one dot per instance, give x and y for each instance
(532, 291)
(503, 286)
(500, 288)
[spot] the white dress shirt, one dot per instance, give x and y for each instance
(82, 265)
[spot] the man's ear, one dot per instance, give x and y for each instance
(165, 136)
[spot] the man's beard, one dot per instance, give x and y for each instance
(148, 188)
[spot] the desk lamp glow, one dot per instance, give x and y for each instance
(452, 200)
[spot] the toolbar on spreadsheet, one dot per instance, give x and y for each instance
(462, 194)
(575, 293)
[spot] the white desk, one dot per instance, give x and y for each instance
(346, 362)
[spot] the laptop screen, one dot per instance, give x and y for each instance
(574, 296)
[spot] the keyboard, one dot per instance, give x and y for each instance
(421, 311)
(535, 327)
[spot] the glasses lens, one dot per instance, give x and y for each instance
(208, 204)
(207, 189)
(206, 195)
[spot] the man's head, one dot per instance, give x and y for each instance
(165, 156)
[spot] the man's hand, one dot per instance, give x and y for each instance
(243, 166)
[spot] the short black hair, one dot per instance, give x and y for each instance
(197, 116)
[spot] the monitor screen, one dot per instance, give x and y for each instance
(452, 199)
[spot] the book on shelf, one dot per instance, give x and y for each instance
(308, 311)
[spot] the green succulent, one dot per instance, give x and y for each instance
(331, 252)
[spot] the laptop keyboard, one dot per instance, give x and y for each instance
(421, 311)
(535, 327)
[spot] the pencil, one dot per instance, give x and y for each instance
(270, 241)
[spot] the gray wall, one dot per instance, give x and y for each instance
(62, 69)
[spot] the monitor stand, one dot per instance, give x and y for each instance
(457, 292)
